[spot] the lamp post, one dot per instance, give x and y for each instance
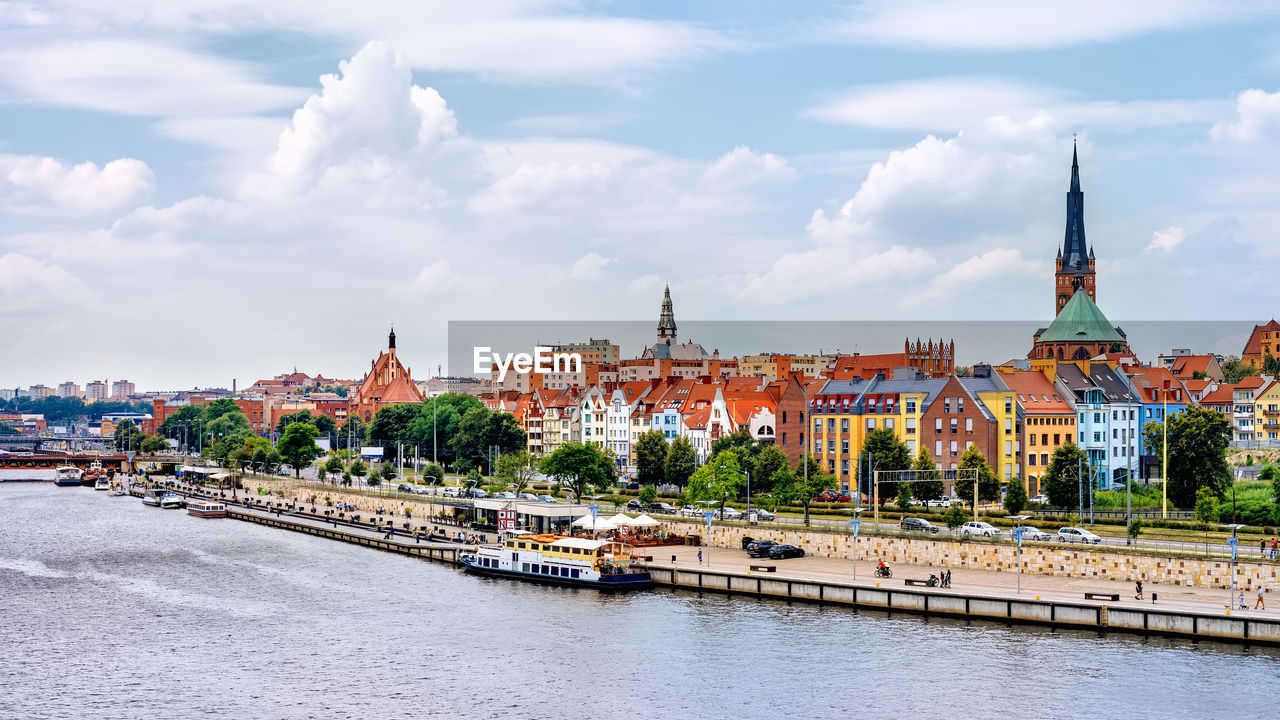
(856, 524)
(1234, 541)
(1017, 536)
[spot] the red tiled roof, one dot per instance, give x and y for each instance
(1034, 391)
(1187, 366)
(1219, 396)
(1250, 381)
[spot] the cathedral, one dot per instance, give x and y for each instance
(388, 382)
(1079, 330)
(667, 347)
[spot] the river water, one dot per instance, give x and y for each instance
(116, 610)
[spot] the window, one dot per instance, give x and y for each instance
(1031, 459)
(1044, 458)
(1008, 426)
(524, 567)
(937, 425)
(1008, 405)
(954, 423)
(911, 426)
(831, 445)
(831, 424)
(817, 425)
(911, 405)
(953, 447)
(1031, 439)
(960, 405)
(968, 424)
(1008, 448)
(946, 405)
(1057, 439)
(937, 448)
(888, 422)
(844, 424)
(844, 467)
(871, 423)
(844, 446)
(1115, 433)
(573, 573)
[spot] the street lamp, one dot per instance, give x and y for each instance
(1234, 540)
(855, 524)
(1017, 536)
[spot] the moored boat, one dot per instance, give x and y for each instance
(561, 560)
(152, 497)
(94, 475)
(171, 501)
(102, 483)
(207, 509)
(68, 475)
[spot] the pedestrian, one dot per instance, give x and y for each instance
(1273, 548)
(1260, 604)
(1242, 605)
(1137, 589)
(699, 557)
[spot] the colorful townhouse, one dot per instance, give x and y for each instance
(1048, 421)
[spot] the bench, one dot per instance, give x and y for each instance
(1113, 597)
(764, 568)
(919, 583)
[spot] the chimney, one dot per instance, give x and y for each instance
(233, 386)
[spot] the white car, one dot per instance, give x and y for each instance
(979, 529)
(729, 513)
(939, 503)
(1040, 499)
(1031, 533)
(691, 511)
(760, 515)
(450, 492)
(1076, 534)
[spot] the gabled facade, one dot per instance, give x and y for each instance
(1263, 341)
(1046, 418)
(388, 382)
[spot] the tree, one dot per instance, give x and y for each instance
(743, 445)
(433, 471)
(681, 461)
(517, 468)
(581, 466)
(904, 497)
(651, 457)
(1061, 482)
(1270, 365)
(887, 453)
(1233, 370)
(1015, 497)
(988, 483)
(232, 424)
(351, 435)
(718, 480)
(153, 443)
(358, 469)
(1206, 506)
(388, 471)
(273, 460)
(794, 488)
(126, 436)
(481, 430)
(648, 494)
(301, 416)
(392, 425)
(321, 472)
(438, 420)
(928, 481)
(334, 465)
(259, 458)
(1198, 442)
(954, 517)
(297, 446)
(1269, 473)
(769, 461)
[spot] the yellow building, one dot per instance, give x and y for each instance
(1266, 410)
(1048, 421)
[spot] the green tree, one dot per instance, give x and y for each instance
(743, 445)
(230, 424)
(274, 459)
(517, 469)
(988, 483)
(301, 416)
(259, 458)
(1233, 371)
(648, 494)
(153, 444)
(217, 408)
(433, 471)
(904, 497)
(954, 517)
(334, 465)
(1061, 482)
(1269, 473)
(181, 422)
(651, 457)
(769, 461)
(580, 466)
(392, 424)
(481, 430)
(297, 446)
(351, 435)
(438, 421)
(388, 471)
(719, 480)
(1206, 506)
(1270, 365)
(1198, 441)
(682, 461)
(126, 436)
(358, 469)
(794, 488)
(887, 453)
(1015, 497)
(928, 478)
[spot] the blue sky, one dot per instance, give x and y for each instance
(182, 168)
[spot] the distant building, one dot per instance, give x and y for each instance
(96, 390)
(40, 391)
(1264, 341)
(388, 382)
(69, 389)
(122, 389)
(668, 346)
(437, 386)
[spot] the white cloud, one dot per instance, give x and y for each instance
(31, 184)
(743, 166)
(28, 284)
(568, 123)
(590, 266)
(1257, 117)
(956, 103)
(1167, 239)
(434, 279)
(135, 77)
(1015, 24)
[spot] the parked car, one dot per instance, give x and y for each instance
(979, 529)
(450, 492)
(528, 496)
(1034, 533)
(547, 499)
(661, 507)
(633, 486)
(506, 495)
(1040, 499)
(1077, 534)
(404, 487)
(634, 505)
(761, 548)
(477, 493)
(781, 552)
(691, 511)
(917, 525)
(832, 496)
(729, 513)
(422, 490)
(759, 515)
(939, 503)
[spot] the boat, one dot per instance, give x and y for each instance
(561, 560)
(171, 501)
(102, 483)
(207, 509)
(116, 491)
(152, 497)
(67, 475)
(93, 475)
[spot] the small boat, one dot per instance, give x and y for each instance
(171, 501)
(102, 483)
(152, 497)
(561, 560)
(116, 491)
(93, 475)
(67, 475)
(207, 509)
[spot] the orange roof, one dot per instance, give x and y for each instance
(745, 405)
(698, 419)
(1035, 393)
(1250, 382)
(1254, 345)
(1222, 395)
(1151, 380)
(1186, 366)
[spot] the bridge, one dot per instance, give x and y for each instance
(46, 461)
(36, 443)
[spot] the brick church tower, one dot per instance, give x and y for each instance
(1075, 259)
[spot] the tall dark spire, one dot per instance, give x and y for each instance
(391, 339)
(1075, 250)
(667, 319)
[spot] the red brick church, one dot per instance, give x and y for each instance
(388, 382)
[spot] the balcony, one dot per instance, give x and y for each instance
(1271, 426)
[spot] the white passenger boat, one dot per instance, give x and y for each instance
(561, 560)
(171, 501)
(68, 475)
(102, 483)
(207, 509)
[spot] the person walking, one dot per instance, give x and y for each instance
(1242, 605)
(1137, 589)
(1260, 604)
(1273, 548)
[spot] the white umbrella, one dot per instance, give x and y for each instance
(644, 521)
(621, 520)
(601, 524)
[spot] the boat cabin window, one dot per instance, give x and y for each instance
(573, 572)
(523, 546)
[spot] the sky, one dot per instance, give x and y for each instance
(197, 191)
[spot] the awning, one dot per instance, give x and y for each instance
(621, 520)
(600, 524)
(644, 521)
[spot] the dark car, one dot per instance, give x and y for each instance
(917, 525)
(633, 486)
(781, 552)
(633, 505)
(762, 548)
(661, 507)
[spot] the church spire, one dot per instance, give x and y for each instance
(1075, 249)
(667, 319)
(391, 340)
